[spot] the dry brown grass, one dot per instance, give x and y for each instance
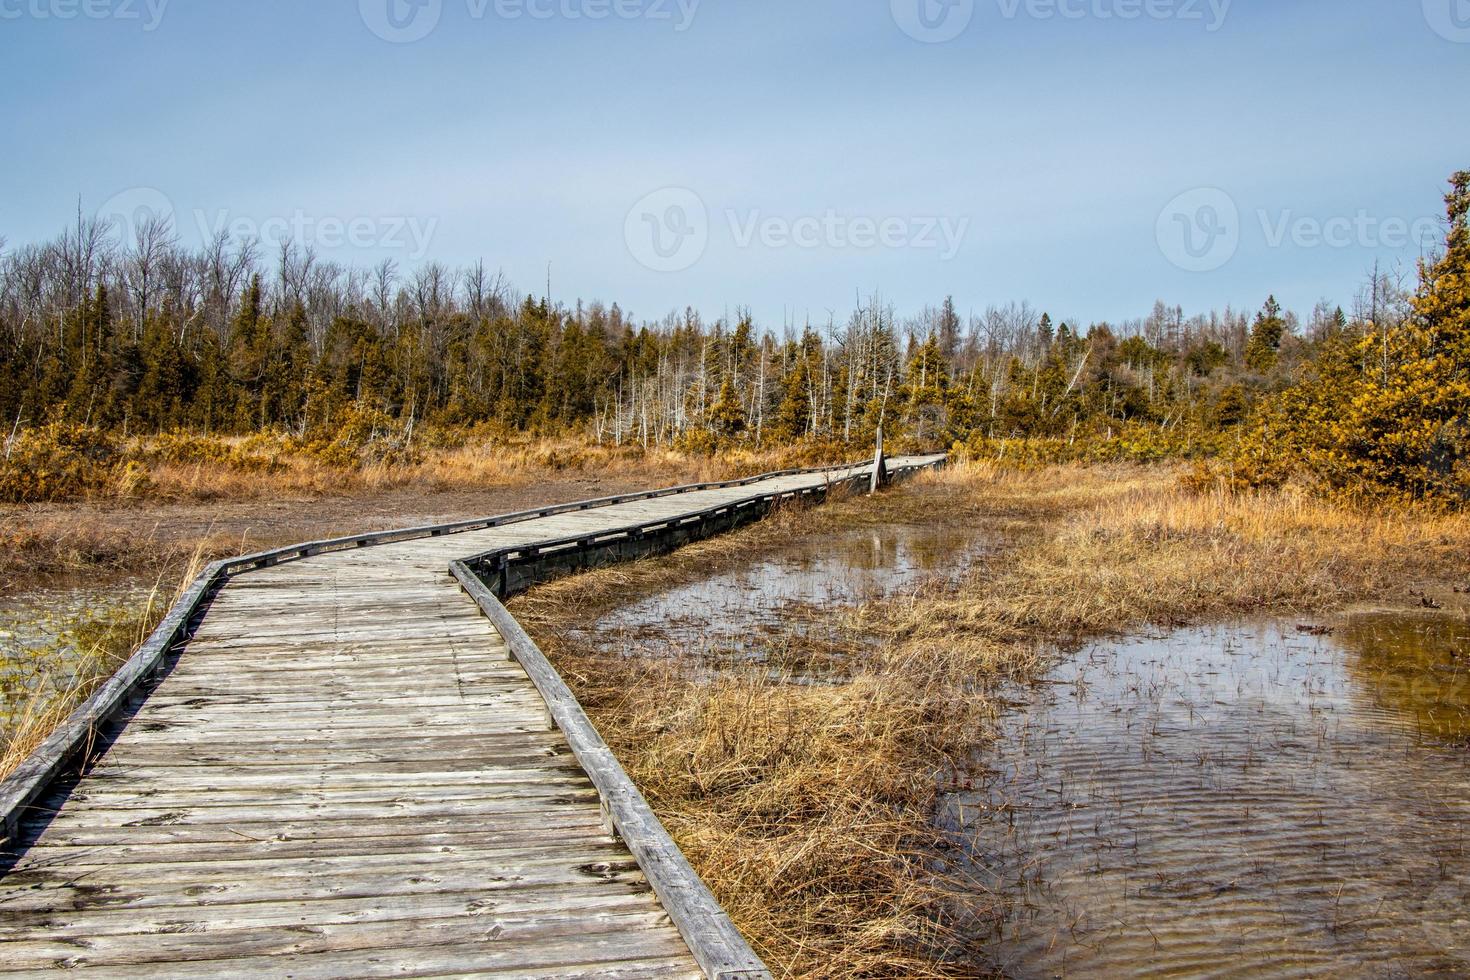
(1113, 548)
(806, 807)
(65, 462)
(809, 808)
(57, 546)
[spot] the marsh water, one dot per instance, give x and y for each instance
(762, 611)
(45, 634)
(1269, 798)
(1240, 800)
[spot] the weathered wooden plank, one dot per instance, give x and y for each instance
(312, 707)
(184, 747)
(531, 785)
(115, 794)
(497, 863)
(52, 893)
(410, 652)
(520, 785)
(509, 716)
(526, 838)
(241, 635)
(85, 830)
(397, 936)
(432, 680)
(218, 700)
(433, 656)
(420, 748)
(552, 903)
(224, 689)
(432, 670)
(469, 809)
(161, 773)
(607, 956)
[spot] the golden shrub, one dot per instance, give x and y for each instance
(59, 461)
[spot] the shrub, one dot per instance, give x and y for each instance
(262, 456)
(1133, 443)
(60, 461)
(697, 442)
(357, 436)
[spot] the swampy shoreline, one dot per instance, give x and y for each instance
(803, 778)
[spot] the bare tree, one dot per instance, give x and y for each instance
(153, 240)
(384, 279)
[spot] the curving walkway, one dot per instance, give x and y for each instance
(346, 773)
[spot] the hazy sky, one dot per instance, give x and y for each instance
(1090, 156)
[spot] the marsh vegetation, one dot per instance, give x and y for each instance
(846, 767)
(57, 646)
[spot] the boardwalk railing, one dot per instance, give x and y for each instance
(716, 944)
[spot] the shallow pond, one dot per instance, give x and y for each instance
(762, 610)
(1245, 800)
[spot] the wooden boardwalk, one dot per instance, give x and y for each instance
(346, 773)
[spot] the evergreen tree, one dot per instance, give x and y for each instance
(727, 416)
(1386, 413)
(949, 332)
(1264, 348)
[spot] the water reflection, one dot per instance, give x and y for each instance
(1415, 665)
(1234, 801)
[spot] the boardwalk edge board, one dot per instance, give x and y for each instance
(718, 947)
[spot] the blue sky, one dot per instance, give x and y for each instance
(787, 154)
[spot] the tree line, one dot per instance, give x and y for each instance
(144, 335)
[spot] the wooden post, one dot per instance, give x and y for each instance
(880, 466)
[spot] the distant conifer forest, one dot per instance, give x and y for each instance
(104, 341)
